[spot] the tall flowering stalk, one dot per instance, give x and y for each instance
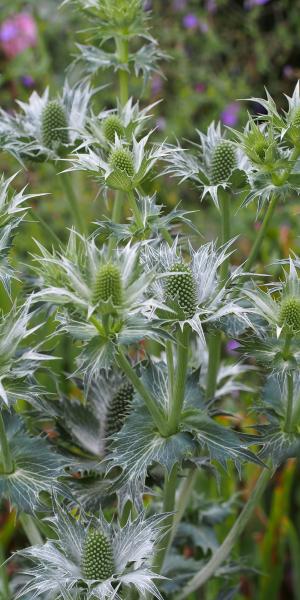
(142, 412)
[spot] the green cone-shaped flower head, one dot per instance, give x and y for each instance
(181, 288)
(290, 313)
(97, 562)
(54, 123)
(122, 159)
(111, 126)
(119, 408)
(223, 162)
(108, 285)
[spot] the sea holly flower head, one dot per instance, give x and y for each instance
(45, 127)
(124, 166)
(191, 291)
(214, 166)
(107, 290)
(92, 558)
(125, 121)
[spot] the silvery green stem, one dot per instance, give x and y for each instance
(73, 203)
(37, 217)
(31, 530)
(289, 406)
(214, 352)
(168, 507)
(154, 410)
(122, 52)
(5, 591)
(225, 222)
(177, 398)
(184, 495)
(135, 209)
(6, 458)
(224, 550)
(261, 234)
(115, 217)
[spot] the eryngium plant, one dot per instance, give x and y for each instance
(118, 402)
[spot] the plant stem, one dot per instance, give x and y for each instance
(150, 402)
(224, 550)
(214, 354)
(31, 530)
(115, 217)
(135, 209)
(184, 494)
(73, 204)
(6, 457)
(261, 234)
(225, 218)
(171, 373)
(37, 217)
(177, 398)
(5, 591)
(289, 406)
(168, 506)
(122, 52)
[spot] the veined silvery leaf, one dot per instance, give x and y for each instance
(59, 565)
(37, 469)
(146, 61)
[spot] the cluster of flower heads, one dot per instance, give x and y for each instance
(116, 292)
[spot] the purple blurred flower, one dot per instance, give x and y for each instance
(27, 81)
(288, 72)
(148, 5)
(203, 26)
(211, 6)
(231, 347)
(156, 85)
(161, 123)
(248, 4)
(17, 33)
(190, 21)
(200, 88)
(179, 5)
(230, 114)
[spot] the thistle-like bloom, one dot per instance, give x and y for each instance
(92, 558)
(280, 305)
(125, 121)
(192, 290)
(275, 342)
(46, 127)
(18, 362)
(104, 298)
(212, 169)
(124, 166)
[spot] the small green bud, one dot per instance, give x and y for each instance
(97, 562)
(122, 159)
(290, 313)
(119, 408)
(111, 126)
(223, 162)
(53, 120)
(182, 288)
(108, 285)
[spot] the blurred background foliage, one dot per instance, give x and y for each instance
(220, 51)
